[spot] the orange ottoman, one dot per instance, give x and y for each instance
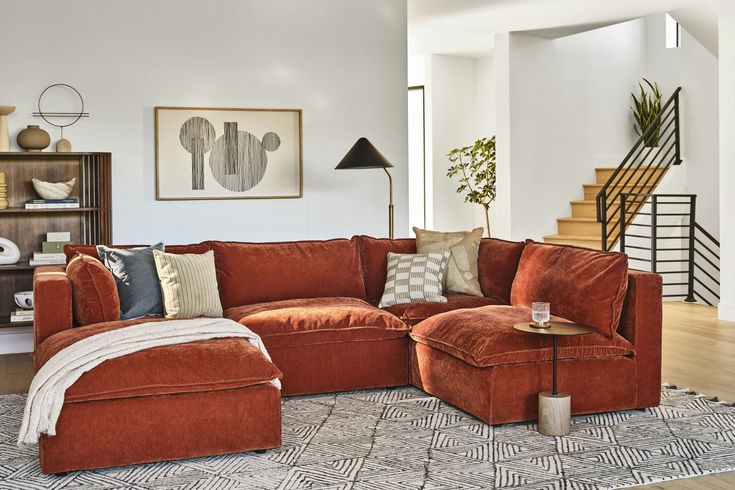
(181, 401)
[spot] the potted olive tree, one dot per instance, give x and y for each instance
(475, 168)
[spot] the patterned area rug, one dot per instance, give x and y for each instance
(404, 439)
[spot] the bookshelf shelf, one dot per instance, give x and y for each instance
(49, 210)
(90, 223)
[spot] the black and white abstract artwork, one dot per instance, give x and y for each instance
(210, 153)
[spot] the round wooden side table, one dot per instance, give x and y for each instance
(554, 408)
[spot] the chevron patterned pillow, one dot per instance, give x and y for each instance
(415, 278)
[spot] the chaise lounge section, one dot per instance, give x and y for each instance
(314, 304)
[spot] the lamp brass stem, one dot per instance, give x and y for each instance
(390, 204)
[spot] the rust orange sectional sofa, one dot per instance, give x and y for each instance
(314, 303)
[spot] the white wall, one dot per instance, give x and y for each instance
(460, 108)
(567, 103)
(726, 309)
(695, 69)
(342, 61)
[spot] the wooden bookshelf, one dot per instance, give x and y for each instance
(90, 223)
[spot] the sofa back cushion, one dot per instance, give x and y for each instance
(497, 265)
(250, 273)
(94, 291)
(374, 259)
(584, 286)
(91, 250)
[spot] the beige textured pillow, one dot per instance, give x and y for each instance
(414, 278)
(461, 276)
(188, 285)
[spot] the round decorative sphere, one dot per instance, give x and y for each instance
(33, 138)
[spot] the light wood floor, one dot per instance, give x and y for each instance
(698, 353)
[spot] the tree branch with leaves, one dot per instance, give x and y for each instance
(475, 168)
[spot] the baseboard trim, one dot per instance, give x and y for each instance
(726, 312)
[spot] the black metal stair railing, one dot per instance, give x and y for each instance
(641, 170)
(676, 246)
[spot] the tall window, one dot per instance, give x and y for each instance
(673, 32)
(416, 158)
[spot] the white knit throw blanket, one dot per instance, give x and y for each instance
(46, 394)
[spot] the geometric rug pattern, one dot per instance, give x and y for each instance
(402, 438)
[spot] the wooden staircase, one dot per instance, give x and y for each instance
(582, 228)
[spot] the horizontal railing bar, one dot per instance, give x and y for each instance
(675, 283)
(672, 272)
(629, 235)
(639, 224)
(636, 247)
(707, 274)
(674, 295)
(672, 249)
(672, 226)
(672, 237)
(658, 195)
(672, 260)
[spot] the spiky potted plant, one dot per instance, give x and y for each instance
(646, 111)
(474, 165)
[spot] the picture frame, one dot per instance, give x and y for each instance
(214, 153)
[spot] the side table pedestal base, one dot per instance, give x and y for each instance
(554, 413)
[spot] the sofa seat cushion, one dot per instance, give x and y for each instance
(413, 313)
(313, 321)
(485, 337)
(206, 365)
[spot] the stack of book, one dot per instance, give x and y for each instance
(21, 315)
(52, 203)
(52, 250)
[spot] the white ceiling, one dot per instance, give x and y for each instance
(468, 27)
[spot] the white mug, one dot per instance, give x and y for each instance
(24, 299)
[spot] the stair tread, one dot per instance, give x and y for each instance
(617, 186)
(574, 218)
(573, 237)
(649, 167)
(584, 201)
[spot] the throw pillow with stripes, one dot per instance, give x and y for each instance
(415, 278)
(188, 285)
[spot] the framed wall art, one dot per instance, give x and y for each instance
(216, 153)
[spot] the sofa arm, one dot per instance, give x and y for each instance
(52, 303)
(641, 324)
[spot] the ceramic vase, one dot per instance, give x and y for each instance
(5, 110)
(3, 192)
(63, 145)
(33, 138)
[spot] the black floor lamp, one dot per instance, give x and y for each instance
(364, 155)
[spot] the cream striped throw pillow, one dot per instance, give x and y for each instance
(188, 285)
(415, 278)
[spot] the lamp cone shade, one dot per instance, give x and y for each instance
(363, 155)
